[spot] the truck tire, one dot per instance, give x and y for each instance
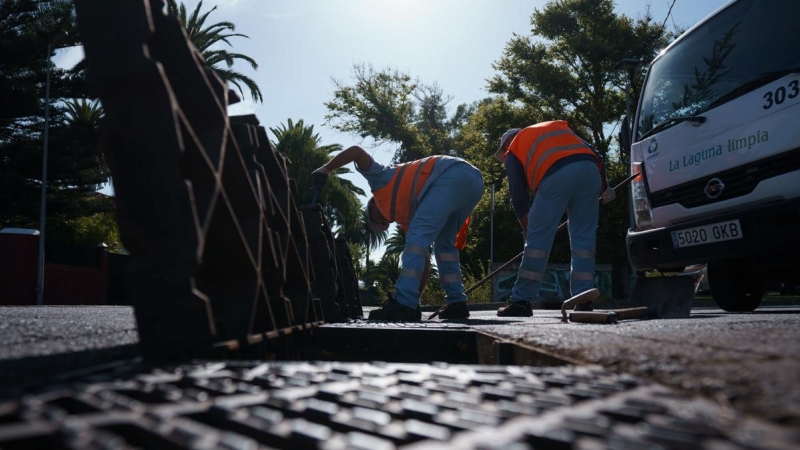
(733, 289)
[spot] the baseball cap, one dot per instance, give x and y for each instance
(506, 139)
(375, 226)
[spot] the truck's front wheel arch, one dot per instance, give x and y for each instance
(733, 287)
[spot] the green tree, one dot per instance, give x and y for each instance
(303, 147)
(565, 70)
(83, 112)
(75, 165)
(478, 139)
(206, 39)
(395, 242)
(386, 272)
(92, 230)
(366, 241)
(391, 107)
(26, 29)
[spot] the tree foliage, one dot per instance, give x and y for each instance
(565, 68)
(75, 165)
(339, 199)
(303, 147)
(391, 107)
(366, 241)
(207, 40)
(26, 29)
(83, 112)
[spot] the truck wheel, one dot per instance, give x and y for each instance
(732, 288)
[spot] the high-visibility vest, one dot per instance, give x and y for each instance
(539, 146)
(398, 200)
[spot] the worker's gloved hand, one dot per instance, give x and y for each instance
(319, 177)
(608, 195)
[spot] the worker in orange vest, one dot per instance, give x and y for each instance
(549, 162)
(431, 199)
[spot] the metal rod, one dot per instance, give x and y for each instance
(40, 274)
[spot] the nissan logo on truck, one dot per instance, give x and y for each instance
(714, 188)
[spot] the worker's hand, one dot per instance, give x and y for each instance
(319, 177)
(608, 195)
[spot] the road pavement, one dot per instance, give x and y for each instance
(749, 361)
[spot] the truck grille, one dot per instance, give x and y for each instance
(738, 181)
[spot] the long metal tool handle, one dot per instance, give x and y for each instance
(518, 257)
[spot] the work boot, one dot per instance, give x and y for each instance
(452, 311)
(585, 299)
(392, 311)
(515, 309)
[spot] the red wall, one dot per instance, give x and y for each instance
(63, 284)
(18, 255)
(76, 285)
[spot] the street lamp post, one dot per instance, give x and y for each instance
(491, 233)
(40, 274)
(491, 242)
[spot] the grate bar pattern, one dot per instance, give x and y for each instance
(330, 405)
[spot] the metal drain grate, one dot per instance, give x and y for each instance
(329, 405)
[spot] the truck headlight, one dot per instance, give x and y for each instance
(642, 213)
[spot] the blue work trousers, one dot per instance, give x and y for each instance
(576, 189)
(442, 210)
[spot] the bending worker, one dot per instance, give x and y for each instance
(549, 162)
(431, 199)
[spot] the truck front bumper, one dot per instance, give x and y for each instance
(771, 229)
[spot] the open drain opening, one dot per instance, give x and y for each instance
(406, 344)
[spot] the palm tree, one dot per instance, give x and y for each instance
(204, 39)
(367, 239)
(386, 272)
(396, 242)
(339, 199)
(82, 112)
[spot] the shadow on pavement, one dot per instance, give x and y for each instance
(481, 321)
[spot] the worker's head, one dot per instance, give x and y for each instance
(505, 141)
(375, 220)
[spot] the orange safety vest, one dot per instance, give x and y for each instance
(397, 201)
(539, 146)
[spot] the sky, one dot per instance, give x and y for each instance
(301, 46)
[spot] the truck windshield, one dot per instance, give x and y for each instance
(733, 51)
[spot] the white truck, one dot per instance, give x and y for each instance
(716, 137)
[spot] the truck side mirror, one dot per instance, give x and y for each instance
(625, 136)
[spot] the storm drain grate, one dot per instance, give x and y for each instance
(334, 405)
